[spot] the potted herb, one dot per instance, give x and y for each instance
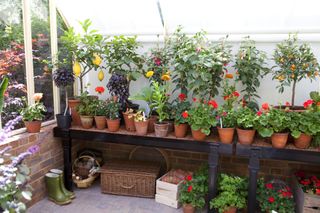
(180, 114)
(159, 101)
(294, 62)
(250, 65)
(275, 196)
(201, 117)
(226, 114)
(232, 194)
(100, 113)
(33, 114)
(124, 64)
(86, 109)
(246, 121)
(113, 119)
(274, 123)
(194, 191)
(128, 116)
(140, 122)
(63, 77)
(146, 95)
(303, 127)
(86, 49)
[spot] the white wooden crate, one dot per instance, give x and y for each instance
(168, 190)
(167, 201)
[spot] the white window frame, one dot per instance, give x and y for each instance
(27, 31)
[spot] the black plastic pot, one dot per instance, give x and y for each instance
(63, 121)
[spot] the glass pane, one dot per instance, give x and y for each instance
(12, 59)
(41, 51)
(62, 54)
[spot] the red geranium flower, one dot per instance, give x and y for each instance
(300, 174)
(317, 191)
(226, 97)
(99, 90)
(194, 99)
(224, 114)
(305, 182)
(265, 106)
(259, 113)
(288, 104)
(269, 186)
(213, 103)
(182, 97)
(185, 114)
(189, 188)
(307, 103)
(271, 199)
(314, 178)
(189, 177)
(236, 94)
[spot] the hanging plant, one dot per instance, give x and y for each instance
(251, 67)
(294, 62)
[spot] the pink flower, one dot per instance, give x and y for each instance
(259, 113)
(198, 49)
(224, 114)
(157, 61)
(288, 104)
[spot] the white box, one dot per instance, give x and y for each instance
(168, 190)
(167, 201)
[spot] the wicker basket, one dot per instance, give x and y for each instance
(87, 175)
(131, 178)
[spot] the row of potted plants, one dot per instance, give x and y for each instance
(272, 195)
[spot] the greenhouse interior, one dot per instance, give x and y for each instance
(142, 106)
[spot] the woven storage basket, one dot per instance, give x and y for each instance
(132, 178)
(79, 171)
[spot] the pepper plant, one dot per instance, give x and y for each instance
(250, 64)
(294, 62)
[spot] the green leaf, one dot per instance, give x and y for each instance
(27, 195)
(265, 132)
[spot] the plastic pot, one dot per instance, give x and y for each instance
(63, 121)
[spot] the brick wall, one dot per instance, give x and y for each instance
(49, 156)
(192, 160)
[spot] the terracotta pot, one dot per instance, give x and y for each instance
(73, 103)
(113, 125)
(226, 135)
(188, 208)
(86, 121)
(33, 126)
(231, 210)
(161, 129)
(100, 122)
(198, 135)
(152, 120)
(246, 136)
(303, 141)
(128, 122)
(279, 140)
(180, 130)
(141, 127)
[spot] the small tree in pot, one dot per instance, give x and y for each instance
(125, 64)
(251, 66)
(63, 77)
(294, 62)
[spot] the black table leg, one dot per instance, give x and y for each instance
(67, 144)
(254, 166)
(213, 172)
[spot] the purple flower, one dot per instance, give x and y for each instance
(33, 149)
(17, 160)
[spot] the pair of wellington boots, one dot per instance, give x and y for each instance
(56, 190)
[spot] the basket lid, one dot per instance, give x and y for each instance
(131, 167)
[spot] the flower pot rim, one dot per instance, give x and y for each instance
(33, 121)
(99, 116)
(252, 129)
(225, 127)
(87, 116)
(162, 123)
(113, 119)
(281, 133)
(62, 114)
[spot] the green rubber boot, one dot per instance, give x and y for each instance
(64, 190)
(54, 190)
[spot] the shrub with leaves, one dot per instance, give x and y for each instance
(113, 108)
(275, 195)
(246, 118)
(306, 122)
(250, 64)
(232, 192)
(195, 188)
(87, 105)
